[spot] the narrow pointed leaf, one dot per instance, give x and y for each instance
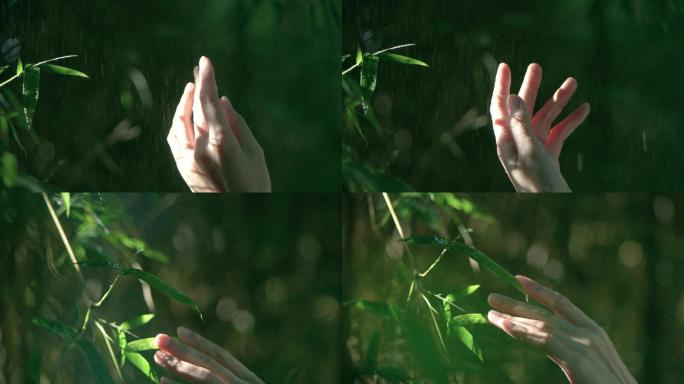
(142, 345)
(384, 310)
(468, 319)
(359, 55)
(488, 264)
(461, 293)
(60, 70)
(121, 342)
(62, 330)
(143, 365)
(98, 366)
(137, 321)
(30, 91)
(401, 59)
(435, 323)
(20, 67)
(467, 339)
(3, 68)
(66, 198)
(110, 350)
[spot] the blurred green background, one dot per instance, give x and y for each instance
(617, 256)
(276, 60)
(436, 132)
(263, 270)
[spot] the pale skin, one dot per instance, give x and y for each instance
(567, 335)
(529, 144)
(214, 148)
(198, 360)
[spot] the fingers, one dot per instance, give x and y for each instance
(217, 124)
(518, 308)
(166, 380)
(192, 359)
(188, 371)
(530, 86)
(217, 353)
(181, 135)
(549, 112)
(239, 126)
(200, 123)
(556, 302)
(564, 129)
(551, 342)
(521, 127)
(499, 105)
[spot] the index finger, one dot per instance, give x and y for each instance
(217, 124)
(556, 302)
(499, 105)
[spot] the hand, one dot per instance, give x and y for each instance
(212, 144)
(198, 360)
(569, 337)
(527, 146)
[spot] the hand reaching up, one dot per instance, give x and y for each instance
(212, 144)
(566, 334)
(198, 360)
(527, 144)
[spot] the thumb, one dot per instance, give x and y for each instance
(521, 125)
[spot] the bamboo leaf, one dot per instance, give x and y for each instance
(30, 91)
(137, 321)
(110, 350)
(488, 264)
(384, 310)
(95, 361)
(359, 55)
(62, 330)
(121, 342)
(467, 339)
(20, 67)
(66, 198)
(143, 365)
(401, 59)
(60, 70)
(461, 293)
(435, 323)
(142, 345)
(468, 319)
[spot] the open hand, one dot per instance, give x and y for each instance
(527, 145)
(198, 360)
(212, 144)
(568, 336)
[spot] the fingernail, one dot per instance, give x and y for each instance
(184, 333)
(494, 298)
(203, 62)
(162, 340)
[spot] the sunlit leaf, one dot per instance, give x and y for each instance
(62, 330)
(143, 365)
(137, 321)
(488, 264)
(467, 339)
(66, 198)
(461, 293)
(30, 91)
(20, 67)
(401, 59)
(468, 319)
(98, 366)
(151, 279)
(147, 344)
(58, 69)
(359, 55)
(121, 342)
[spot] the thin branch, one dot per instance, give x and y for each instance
(104, 297)
(375, 54)
(62, 234)
(444, 251)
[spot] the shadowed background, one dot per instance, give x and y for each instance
(616, 256)
(437, 135)
(264, 271)
(277, 61)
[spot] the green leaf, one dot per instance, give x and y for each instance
(384, 310)
(58, 69)
(3, 68)
(142, 345)
(121, 342)
(137, 321)
(20, 67)
(435, 323)
(95, 361)
(151, 279)
(9, 169)
(110, 350)
(461, 293)
(62, 330)
(428, 240)
(359, 55)
(66, 198)
(488, 264)
(139, 361)
(467, 339)
(30, 90)
(137, 245)
(468, 319)
(401, 59)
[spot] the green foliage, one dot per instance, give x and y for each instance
(437, 330)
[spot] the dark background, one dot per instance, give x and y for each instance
(263, 270)
(276, 60)
(624, 55)
(617, 256)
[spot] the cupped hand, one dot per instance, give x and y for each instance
(212, 144)
(198, 360)
(527, 144)
(566, 334)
